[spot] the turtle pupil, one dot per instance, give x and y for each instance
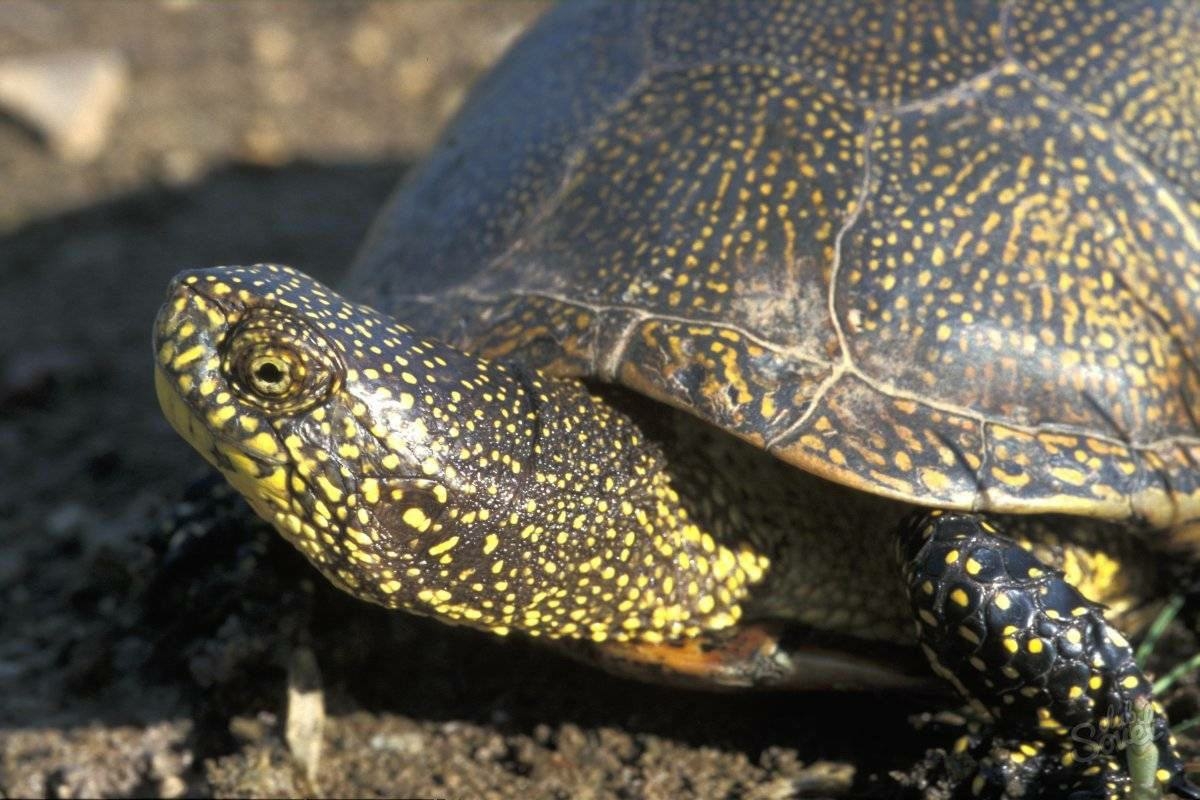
(269, 372)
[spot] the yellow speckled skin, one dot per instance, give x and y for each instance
(717, 302)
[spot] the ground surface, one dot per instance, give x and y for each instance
(262, 131)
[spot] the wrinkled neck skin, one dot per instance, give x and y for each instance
(485, 495)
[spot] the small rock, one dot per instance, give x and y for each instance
(69, 98)
(409, 743)
(172, 786)
(570, 740)
(492, 750)
(821, 778)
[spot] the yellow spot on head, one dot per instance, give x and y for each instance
(416, 518)
(442, 547)
(333, 493)
(187, 356)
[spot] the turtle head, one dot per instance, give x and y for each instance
(418, 477)
(342, 428)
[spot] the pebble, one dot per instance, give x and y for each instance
(409, 743)
(172, 786)
(494, 749)
(69, 98)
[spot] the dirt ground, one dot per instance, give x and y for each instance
(131, 663)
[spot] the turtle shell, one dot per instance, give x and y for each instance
(947, 252)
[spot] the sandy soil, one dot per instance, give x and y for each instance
(134, 662)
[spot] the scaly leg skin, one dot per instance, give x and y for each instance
(1027, 650)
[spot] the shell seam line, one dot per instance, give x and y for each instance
(845, 361)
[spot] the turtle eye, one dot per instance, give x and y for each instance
(279, 364)
(269, 372)
(270, 375)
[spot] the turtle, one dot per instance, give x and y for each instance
(806, 344)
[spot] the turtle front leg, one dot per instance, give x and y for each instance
(1030, 652)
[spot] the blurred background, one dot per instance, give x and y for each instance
(141, 138)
